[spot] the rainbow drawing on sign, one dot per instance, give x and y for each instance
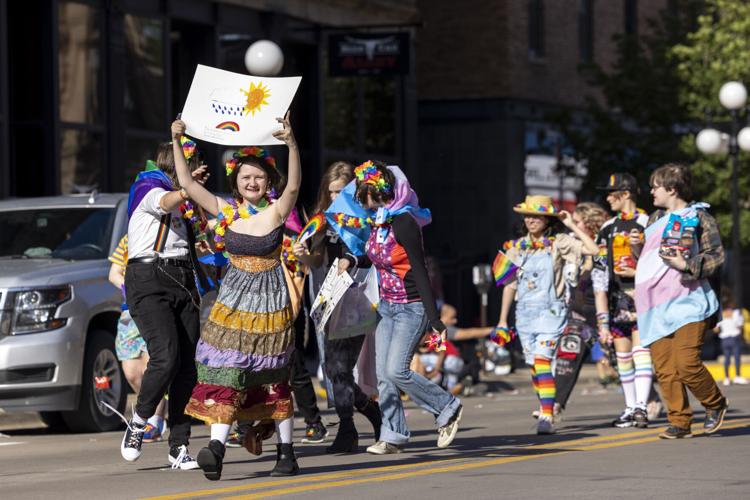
(316, 223)
(231, 126)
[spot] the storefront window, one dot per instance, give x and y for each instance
(340, 95)
(145, 98)
(79, 63)
(380, 110)
(138, 150)
(81, 161)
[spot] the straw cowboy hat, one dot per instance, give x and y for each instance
(537, 205)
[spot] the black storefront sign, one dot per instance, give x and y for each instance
(357, 54)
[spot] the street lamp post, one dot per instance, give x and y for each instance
(733, 96)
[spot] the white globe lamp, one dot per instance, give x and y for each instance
(743, 139)
(264, 58)
(709, 141)
(733, 95)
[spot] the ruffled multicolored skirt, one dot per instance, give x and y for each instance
(243, 353)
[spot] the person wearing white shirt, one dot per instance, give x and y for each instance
(730, 335)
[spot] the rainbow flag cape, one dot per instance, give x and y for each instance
(503, 269)
(316, 223)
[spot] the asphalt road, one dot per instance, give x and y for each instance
(495, 455)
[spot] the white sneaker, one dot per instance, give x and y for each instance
(447, 433)
(179, 458)
(545, 426)
(726, 382)
(383, 448)
(740, 381)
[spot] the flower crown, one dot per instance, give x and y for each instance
(249, 151)
(367, 173)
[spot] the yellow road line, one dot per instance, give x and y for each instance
(449, 468)
(582, 444)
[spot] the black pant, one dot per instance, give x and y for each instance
(159, 298)
(341, 356)
(300, 380)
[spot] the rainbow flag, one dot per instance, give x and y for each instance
(316, 223)
(503, 269)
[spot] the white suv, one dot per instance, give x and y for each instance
(58, 311)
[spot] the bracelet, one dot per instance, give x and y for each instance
(183, 194)
(602, 320)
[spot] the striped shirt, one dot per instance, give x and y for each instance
(120, 255)
(667, 299)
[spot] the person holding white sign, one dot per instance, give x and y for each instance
(392, 241)
(350, 323)
(244, 349)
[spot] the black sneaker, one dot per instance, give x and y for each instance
(625, 420)
(130, 448)
(673, 432)
(315, 433)
(640, 418)
(715, 418)
(179, 458)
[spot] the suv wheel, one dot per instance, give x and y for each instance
(103, 381)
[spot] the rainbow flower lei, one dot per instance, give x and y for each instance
(287, 256)
(344, 220)
(230, 213)
(198, 224)
(246, 152)
(367, 173)
(526, 243)
(502, 336)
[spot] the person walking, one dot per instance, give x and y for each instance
(245, 346)
(351, 321)
(674, 299)
(379, 218)
(730, 336)
(130, 347)
(548, 261)
(161, 293)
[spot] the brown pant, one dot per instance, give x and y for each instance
(678, 366)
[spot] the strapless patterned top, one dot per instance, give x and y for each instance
(242, 357)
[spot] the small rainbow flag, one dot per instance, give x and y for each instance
(503, 269)
(316, 223)
(232, 126)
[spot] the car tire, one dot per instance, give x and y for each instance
(99, 361)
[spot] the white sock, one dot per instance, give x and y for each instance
(220, 432)
(156, 421)
(138, 420)
(643, 375)
(284, 429)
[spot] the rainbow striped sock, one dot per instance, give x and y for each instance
(545, 385)
(534, 381)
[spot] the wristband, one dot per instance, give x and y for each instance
(602, 320)
(183, 194)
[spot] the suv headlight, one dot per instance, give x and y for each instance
(34, 310)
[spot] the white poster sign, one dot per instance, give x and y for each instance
(234, 109)
(331, 291)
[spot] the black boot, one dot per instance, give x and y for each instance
(286, 462)
(371, 410)
(347, 439)
(211, 459)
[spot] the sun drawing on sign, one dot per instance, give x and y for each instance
(256, 97)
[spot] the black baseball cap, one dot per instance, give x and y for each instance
(621, 182)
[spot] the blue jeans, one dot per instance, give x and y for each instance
(400, 329)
